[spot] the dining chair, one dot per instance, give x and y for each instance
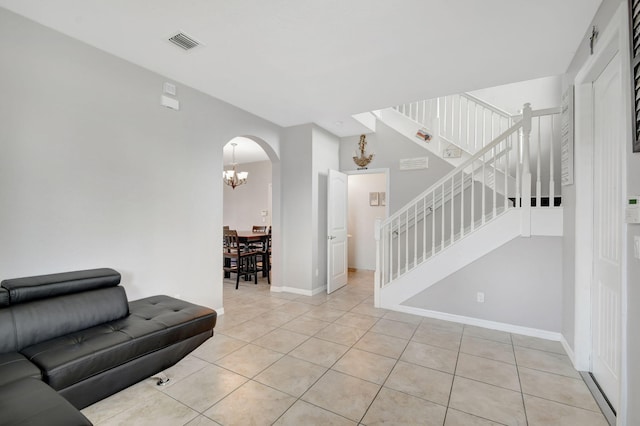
(258, 245)
(238, 261)
(264, 258)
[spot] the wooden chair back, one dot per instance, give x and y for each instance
(236, 260)
(231, 243)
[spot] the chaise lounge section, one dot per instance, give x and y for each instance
(71, 339)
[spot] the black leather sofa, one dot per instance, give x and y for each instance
(68, 340)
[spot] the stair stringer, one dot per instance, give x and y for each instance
(482, 241)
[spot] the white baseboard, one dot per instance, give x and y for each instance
(494, 325)
(319, 290)
(294, 290)
(219, 311)
(568, 350)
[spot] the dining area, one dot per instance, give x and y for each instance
(246, 213)
(247, 254)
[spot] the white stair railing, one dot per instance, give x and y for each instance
(495, 179)
(463, 120)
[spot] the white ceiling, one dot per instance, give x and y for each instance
(301, 61)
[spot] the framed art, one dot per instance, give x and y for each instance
(382, 196)
(373, 199)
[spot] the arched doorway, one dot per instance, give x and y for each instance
(256, 202)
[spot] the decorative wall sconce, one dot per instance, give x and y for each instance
(363, 160)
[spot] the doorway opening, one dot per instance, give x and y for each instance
(251, 204)
(367, 194)
(367, 201)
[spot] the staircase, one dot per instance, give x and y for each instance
(504, 164)
(461, 121)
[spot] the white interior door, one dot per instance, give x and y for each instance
(607, 243)
(337, 249)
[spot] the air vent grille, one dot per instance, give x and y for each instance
(184, 41)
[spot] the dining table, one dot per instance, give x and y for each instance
(245, 237)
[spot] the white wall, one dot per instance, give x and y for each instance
(94, 172)
(390, 147)
(308, 152)
(296, 208)
(325, 156)
(541, 93)
(243, 205)
(522, 283)
(633, 297)
(362, 217)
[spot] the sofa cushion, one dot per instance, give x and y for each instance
(31, 402)
(14, 366)
(154, 323)
(26, 289)
(42, 320)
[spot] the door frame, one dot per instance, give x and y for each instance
(613, 40)
(387, 173)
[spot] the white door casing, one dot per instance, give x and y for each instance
(609, 143)
(337, 249)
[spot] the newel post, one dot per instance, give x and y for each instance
(378, 274)
(526, 171)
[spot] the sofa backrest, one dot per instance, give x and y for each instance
(45, 307)
(23, 290)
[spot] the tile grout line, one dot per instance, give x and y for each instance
(256, 295)
(455, 368)
(524, 406)
(389, 374)
(323, 374)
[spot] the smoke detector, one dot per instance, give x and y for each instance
(184, 41)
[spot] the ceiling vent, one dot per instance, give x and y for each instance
(184, 41)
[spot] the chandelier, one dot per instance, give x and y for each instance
(233, 177)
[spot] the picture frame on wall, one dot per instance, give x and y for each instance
(382, 196)
(374, 199)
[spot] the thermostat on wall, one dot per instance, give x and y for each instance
(632, 213)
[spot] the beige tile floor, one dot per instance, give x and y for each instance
(285, 359)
